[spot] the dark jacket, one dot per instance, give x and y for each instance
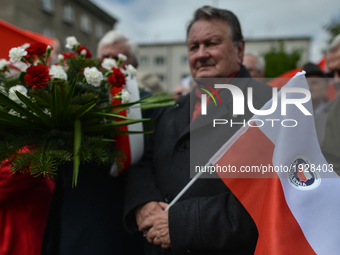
(87, 219)
(208, 219)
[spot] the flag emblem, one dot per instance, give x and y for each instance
(302, 174)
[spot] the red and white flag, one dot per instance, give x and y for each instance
(295, 202)
(132, 146)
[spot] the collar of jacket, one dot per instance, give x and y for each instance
(185, 105)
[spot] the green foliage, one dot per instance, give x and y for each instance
(278, 61)
(161, 99)
(98, 149)
(34, 152)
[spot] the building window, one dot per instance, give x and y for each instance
(68, 14)
(48, 32)
(184, 60)
(85, 24)
(99, 30)
(159, 61)
(47, 5)
(161, 77)
(144, 60)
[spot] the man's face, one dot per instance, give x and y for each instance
(250, 62)
(333, 65)
(212, 53)
(317, 86)
(112, 51)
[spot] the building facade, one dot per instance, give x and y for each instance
(169, 61)
(59, 19)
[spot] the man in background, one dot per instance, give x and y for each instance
(333, 67)
(317, 84)
(330, 145)
(255, 65)
(115, 42)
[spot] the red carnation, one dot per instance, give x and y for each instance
(37, 76)
(117, 79)
(67, 55)
(36, 49)
(88, 52)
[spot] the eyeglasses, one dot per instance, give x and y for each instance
(332, 73)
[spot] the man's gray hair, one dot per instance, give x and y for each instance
(114, 36)
(209, 13)
(335, 44)
(261, 63)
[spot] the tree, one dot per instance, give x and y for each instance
(278, 61)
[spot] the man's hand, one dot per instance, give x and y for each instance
(147, 210)
(156, 228)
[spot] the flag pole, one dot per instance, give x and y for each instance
(180, 194)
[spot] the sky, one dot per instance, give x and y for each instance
(147, 21)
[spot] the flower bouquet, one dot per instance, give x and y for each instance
(64, 112)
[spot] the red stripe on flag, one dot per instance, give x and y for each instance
(122, 142)
(263, 198)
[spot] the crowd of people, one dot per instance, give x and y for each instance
(128, 214)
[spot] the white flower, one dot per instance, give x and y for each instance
(13, 96)
(71, 41)
(3, 63)
(16, 54)
(58, 72)
(25, 45)
(108, 63)
(60, 57)
(131, 71)
(125, 96)
(83, 52)
(93, 76)
(122, 57)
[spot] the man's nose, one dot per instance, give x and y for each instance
(203, 52)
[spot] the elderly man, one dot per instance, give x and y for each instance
(317, 85)
(255, 65)
(330, 145)
(208, 219)
(115, 42)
